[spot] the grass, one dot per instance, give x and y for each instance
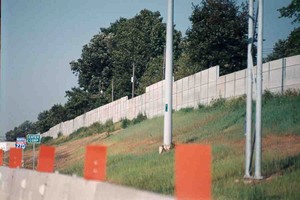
(133, 158)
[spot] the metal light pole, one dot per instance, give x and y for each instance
(169, 79)
(257, 174)
(249, 91)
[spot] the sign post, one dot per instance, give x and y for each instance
(33, 139)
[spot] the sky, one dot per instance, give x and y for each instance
(41, 37)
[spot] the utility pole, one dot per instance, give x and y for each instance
(132, 79)
(169, 78)
(257, 174)
(249, 91)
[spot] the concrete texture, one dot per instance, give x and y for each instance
(107, 190)
(202, 87)
(6, 177)
(22, 184)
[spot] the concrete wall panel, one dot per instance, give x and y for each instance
(240, 87)
(185, 83)
(229, 88)
(58, 187)
(198, 79)
(291, 61)
(292, 75)
(275, 78)
(108, 192)
(82, 189)
(6, 180)
(212, 77)
(276, 64)
(204, 77)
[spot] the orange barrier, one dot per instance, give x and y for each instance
(193, 171)
(46, 159)
(1, 157)
(15, 158)
(95, 163)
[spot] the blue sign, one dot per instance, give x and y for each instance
(21, 142)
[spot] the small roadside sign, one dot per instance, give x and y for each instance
(33, 138)
(21, 143)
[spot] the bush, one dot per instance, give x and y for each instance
(186, 110)
(109, 126)
(292, 93)
(217, 103)
(201, 106)
(268, 95)
(59, 134)
(141, 117)
(46, 139)
(97, 127)
(125, 123)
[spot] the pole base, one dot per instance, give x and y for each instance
(165, 148)
(258, 177)
(248, 176)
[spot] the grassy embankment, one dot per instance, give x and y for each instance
(133, 158)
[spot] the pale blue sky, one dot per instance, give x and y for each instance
(41, 37)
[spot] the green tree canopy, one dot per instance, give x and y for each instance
(287, 47)
(291, 45)
(22, 130)
(291, 11)
(218, 36)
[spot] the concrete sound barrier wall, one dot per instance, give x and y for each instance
(22, 184)
(200, 88)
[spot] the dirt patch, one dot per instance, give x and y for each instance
(285, 145)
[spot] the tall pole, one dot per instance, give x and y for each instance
(249, 92)
(257, 174)
(33, 158)
(132, 79)
(169, 78)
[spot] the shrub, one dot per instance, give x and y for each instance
(125, 123)
(268, 95)
(201, 106)
(186, 110)
(109, 126)
(59, 134)
(217, 103)
(97, 127)
(46, 139)
(141, 117)
(292, 93)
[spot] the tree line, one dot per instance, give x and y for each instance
(217, 36)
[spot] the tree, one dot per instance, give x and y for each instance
(287, 47)
(95, 65)
(291, 45)
(218, 36)
(22, 130)
(42, 123)
(112, 53)
(80, 101)
(292, 10)
(140, 41)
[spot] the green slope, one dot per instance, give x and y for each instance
(133, 158)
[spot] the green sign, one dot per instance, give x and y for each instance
(33, 138)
